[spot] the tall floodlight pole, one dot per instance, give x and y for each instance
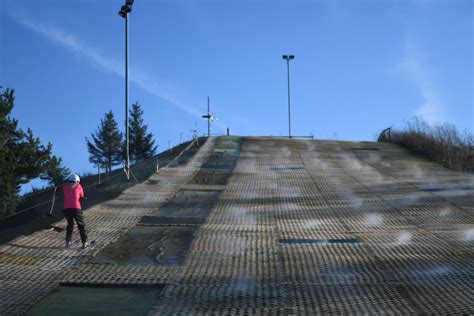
(288, 58)
(124, 11)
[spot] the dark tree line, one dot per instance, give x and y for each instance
(22, 157)
(107, 147)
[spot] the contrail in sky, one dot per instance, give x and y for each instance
(111, 65)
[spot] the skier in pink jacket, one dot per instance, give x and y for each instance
(72, 209)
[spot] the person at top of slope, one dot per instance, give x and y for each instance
(73, 193)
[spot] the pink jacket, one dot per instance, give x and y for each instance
(72, 194)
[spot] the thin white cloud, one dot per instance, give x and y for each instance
(111, 65)
(416, 70)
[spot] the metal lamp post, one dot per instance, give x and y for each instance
(288, 58)
(124, 11)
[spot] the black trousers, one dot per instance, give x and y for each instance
(72, 214)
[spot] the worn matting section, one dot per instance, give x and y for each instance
(276, 226)
(32, 266)
(360, 235)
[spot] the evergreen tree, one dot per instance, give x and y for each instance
(105, 148)
(9, 135)
(142, 144)
(56, 173)
(22, 156)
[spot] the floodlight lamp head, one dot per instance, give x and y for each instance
(129, 4)
(125, 9)
(285, 57)
(291, 57)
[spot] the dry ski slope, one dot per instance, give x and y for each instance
(266, 226)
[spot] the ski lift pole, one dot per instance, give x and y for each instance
(98, 171)
(210, 117)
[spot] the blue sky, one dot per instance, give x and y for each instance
(360, 66)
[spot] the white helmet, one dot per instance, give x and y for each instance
(74, 178)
